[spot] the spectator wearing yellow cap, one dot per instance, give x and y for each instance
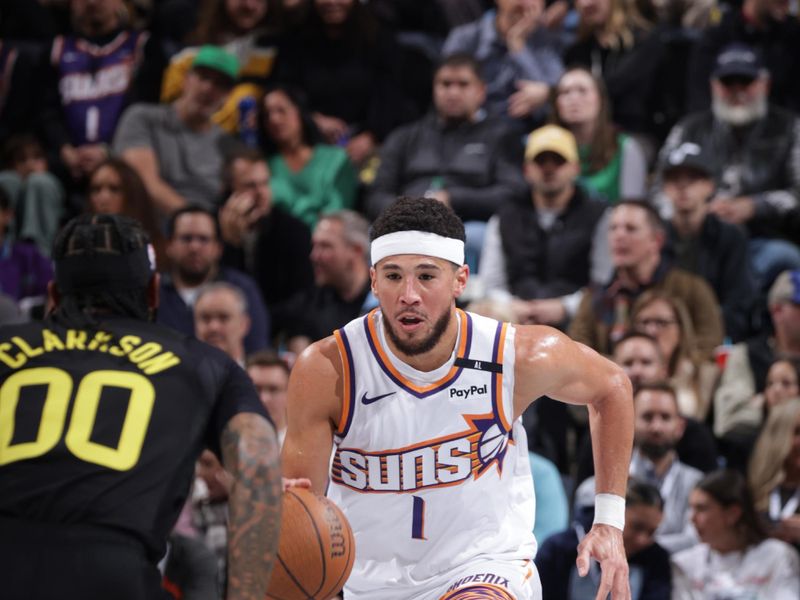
(537, 253)
(176, 148)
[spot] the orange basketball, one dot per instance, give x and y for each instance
(316, 549)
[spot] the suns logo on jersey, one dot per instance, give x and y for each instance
(444, 461)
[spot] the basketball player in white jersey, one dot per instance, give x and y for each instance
(423, 403)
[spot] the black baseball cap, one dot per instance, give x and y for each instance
(737, 60)
(688, 155)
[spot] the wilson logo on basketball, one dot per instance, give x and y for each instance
(444, 461)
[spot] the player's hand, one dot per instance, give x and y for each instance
(604, 544)
(300, 482)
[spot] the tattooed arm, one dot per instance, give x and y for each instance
(250, 453)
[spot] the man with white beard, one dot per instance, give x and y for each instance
(754, 150)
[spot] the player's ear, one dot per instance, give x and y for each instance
(460, 281)
(373, 274)
(53, 297)
(152, 291)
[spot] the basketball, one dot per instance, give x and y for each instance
(316, 549)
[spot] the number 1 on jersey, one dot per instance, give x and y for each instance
(418, 520)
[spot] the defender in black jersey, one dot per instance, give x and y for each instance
(102, 416)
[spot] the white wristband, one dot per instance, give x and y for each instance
(609, 509)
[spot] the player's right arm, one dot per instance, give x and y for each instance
(250, 453)
(314, 408)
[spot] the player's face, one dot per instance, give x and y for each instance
(641, 522)
(220, 321)
(194, 249)
(271, 384)
(105, 192)
(252, 177)
(457, 93)
(417, 296)
(658, 426)
(631, 238)
(640, 359)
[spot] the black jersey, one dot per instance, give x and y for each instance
(103, 426)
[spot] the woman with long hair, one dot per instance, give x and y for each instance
(116, 189)
(693, 375)
(613, 165)
(734, 558)
(308, 177)
(616, 43)
(774, 470)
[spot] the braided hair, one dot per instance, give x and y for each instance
(102, 268)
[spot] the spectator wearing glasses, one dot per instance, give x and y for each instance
(635, 240)
(194, 249)
(691, 374)
(754, 159)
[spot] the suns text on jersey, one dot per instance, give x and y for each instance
(149, 357)
(444, 461)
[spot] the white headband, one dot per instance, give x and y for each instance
(417, 242)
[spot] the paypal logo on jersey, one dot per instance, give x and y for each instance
(467, 392)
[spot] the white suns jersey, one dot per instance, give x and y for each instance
(427, 467)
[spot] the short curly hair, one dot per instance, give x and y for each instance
(418, 214)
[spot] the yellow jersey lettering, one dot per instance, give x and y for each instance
(159, 363)
(101, 337)
(51, 341)
(128, 343)
(23, 345)
(76, 339)
(143, 352)
(13, 362)
(54, 412)
(134, 427)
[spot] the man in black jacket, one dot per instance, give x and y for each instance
(538, 250)
(455, 154)
(754, 158)
(704, 244)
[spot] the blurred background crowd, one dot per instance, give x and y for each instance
(627, 170)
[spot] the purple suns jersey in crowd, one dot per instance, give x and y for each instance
(93, 82)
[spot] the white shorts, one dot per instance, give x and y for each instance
(490, 580)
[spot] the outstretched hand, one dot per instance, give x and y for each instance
(604, 544)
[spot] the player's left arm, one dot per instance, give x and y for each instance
(548, 363)
(250, 453)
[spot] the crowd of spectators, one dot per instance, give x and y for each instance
(628, 171)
